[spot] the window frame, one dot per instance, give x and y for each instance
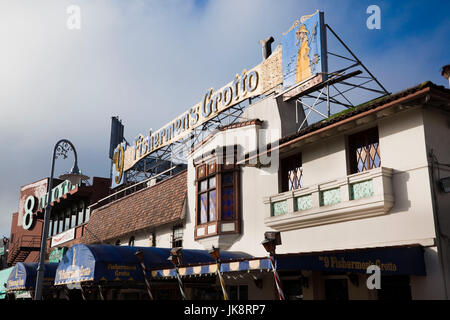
(367, 135)
(286, 165)
(177, 230)
(212, 168)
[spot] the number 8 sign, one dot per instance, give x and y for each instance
(30, 206)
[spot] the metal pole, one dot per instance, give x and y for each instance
(328, 100)
(48, 209)
(180, 284)
(101, 293)
(356, 58)
(147, 283)
(277, 278)
(83, 295)
(222, 283)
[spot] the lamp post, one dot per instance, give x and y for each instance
(62, 147)
(272, 239)
(175, 258)
(215, 254)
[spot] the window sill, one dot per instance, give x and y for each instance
(216, 233)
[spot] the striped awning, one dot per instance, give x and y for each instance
(209, 269)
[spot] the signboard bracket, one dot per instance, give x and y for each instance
(327, 93)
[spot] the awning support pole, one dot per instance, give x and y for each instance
(277, 279)
(101, 293)
(82, 292)
(180, 284)
(222, 283)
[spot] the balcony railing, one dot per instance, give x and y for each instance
(360, 195)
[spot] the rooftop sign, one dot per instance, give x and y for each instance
(302, 56)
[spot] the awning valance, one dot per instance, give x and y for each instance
(399, 260)
(23, 276)
(97, 263)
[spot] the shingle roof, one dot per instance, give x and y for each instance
(151, 207)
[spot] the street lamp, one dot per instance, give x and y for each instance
(62, 147)
(215, 254)
(270, 242)
(176, 259)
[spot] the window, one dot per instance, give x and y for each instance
(336, 289)
(292, 289)
(67, 214)
(364, 150)
(291, 172)
(87, 213)
(152, 239)
(55, 225)
(217, 198)
(207, 199)
(80, 213)
(60, 222)
(394, 288)
(177, 236)
(239, 292)
(50, 228)
(73, 221)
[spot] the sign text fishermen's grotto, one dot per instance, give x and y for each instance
(251, 83)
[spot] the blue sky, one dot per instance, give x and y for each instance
(148, 61)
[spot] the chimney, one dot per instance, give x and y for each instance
(266, 46)
(446, 73)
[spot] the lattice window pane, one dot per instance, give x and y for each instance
(212, 206)
(203, 207)
(228, 212)
(365, 150)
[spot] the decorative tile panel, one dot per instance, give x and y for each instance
(360, 190)
(303, 202)
(279, 208)
(329, 197)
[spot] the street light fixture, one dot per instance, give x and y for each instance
(62, 147)
(271, 241)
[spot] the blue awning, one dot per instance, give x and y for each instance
(397, 260)
(23, 276)
(119, 263)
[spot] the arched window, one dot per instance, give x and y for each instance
(131, 242)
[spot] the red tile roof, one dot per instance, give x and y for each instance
(150, 207)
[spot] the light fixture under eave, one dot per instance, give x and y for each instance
(74, 176)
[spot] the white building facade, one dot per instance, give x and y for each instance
(366, 179)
